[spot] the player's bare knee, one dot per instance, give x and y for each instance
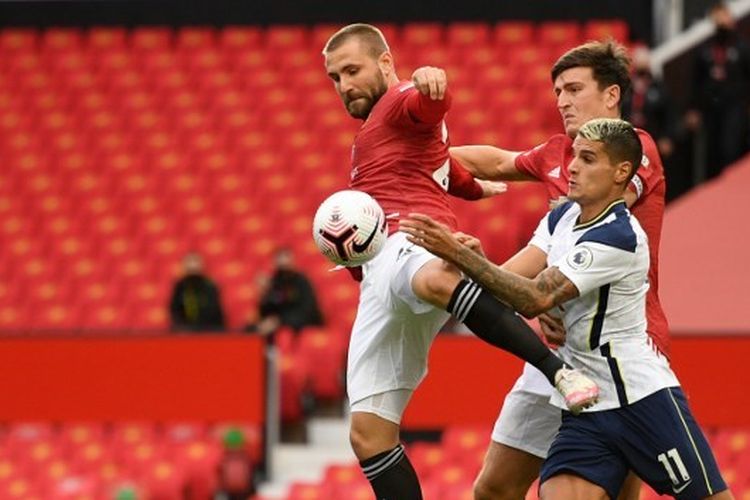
(361, 443)
(368, 443)
(435, 284)
(485, 489)
(482, 491)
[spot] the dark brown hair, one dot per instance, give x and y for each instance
(609, 63)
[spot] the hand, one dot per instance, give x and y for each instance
(268, 325)
(492, 188)
(431, 235)
(430, 81)
(553, 329)
(472, 242)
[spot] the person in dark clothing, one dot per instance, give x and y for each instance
(290, 297)
(195, 303)
(648, 105)
(721, 93)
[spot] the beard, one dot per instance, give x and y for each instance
(360, 105)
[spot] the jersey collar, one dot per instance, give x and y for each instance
(616, 206)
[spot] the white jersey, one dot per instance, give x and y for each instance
(607, 260)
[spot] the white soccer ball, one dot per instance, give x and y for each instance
(350, 228)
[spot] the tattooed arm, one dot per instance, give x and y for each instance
(529, 297)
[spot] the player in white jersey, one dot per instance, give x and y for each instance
(588, 261)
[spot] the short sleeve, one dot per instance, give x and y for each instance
(531, 162)
(542, 238)
(590, 265)
(651, 172)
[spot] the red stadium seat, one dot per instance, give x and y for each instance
(327, 373)
(420, 35)
(306, 491)
(240, 37)
(468, 34)
(147, 39)
(602, 30)
(58, 39)
(101, 39)
(286, 37)
(559, 34)
(512, 34)
(191, 38)
(18, 39)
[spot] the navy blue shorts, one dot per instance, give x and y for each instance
(656, 437)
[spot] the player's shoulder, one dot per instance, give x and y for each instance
(615, 228)
(554, 145)
(557, 144)
(556, 214)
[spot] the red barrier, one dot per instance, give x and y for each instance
(144, 378)
(469, 379)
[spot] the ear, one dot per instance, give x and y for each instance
(612, 96)
(622, 172)
(385, 63)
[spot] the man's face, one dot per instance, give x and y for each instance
(722, 18)
(357, 77)
(579, 99)
(592, 174)
(192, 264)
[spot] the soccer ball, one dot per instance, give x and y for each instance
(350, 228)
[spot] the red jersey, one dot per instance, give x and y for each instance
(400, 158)
(549, 162)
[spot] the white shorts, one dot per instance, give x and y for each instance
(388, 405)
(394, 329)
(528, 421)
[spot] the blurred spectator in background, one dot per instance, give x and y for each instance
(648, 106)
(721, 93)
(195, 304)
(236, 471)
(287, 299)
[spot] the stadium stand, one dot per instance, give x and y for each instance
(447, 468)
(124, 148)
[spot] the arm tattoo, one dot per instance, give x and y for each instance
(528, 297)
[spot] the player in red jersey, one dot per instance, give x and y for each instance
(589, 81)
(400, 157)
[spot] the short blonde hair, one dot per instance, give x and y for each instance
(371, 36)
(621, 141)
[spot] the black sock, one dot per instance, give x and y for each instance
(497, 324)
(391, 475)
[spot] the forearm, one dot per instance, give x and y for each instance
(488, 162)
(521, 293)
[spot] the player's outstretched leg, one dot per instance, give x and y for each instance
(441, 284)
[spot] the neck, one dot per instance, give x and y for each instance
(393, 80)
(591, 211)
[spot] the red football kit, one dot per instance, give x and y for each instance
(549, 162)
(400, 158)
